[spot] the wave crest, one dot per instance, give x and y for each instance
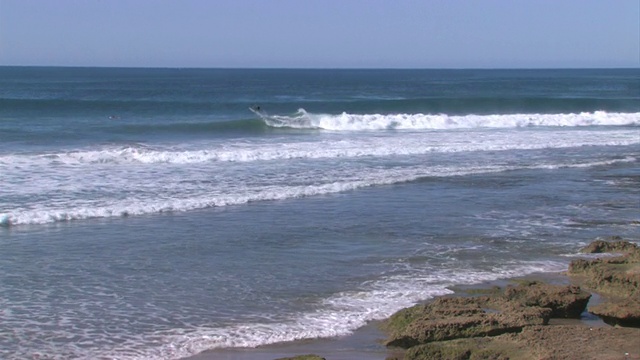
(358, 122)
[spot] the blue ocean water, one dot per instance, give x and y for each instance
(149, 214)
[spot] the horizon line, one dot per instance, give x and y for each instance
(322, 68)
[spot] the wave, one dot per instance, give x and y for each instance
(247, 151)
(358, 122)
(44, 214)
(339, 314)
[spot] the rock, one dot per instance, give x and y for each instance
(453, 318)
(564, 301)
(562, 342)
(579, 342)
(438, 309)
(438, 351)
(528, 304)
(303, 357)
(624, 312)
(618, 278)
(454, 350)
(513, 323)
(615, 244)
(485, 324)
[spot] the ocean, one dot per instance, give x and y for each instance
(150, 214)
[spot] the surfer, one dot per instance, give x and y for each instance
(256, 108)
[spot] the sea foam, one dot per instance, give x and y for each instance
(337, 315)
(104, 208)
(411, 143)
(359, 122)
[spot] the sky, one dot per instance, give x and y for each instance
(321, 33)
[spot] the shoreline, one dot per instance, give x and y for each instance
(364, 343)
(367, 342)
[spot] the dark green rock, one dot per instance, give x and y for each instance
(303, 357)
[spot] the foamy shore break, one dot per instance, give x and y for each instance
(530, 319)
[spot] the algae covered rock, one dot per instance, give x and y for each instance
(454, 318)
(440, 308)
(564, 301)
(538, 342)
(486, 324)
(618, 278)
(454, 350)
(579, 342)
(438, 351)
(512, 323)
(303, 357)
(622, 312)
(613, 244)
(528, 304)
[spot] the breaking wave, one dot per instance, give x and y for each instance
(355, 122)
(336, 315)
(106, 208)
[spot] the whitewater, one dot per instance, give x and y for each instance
(144, 170)
(356, 122)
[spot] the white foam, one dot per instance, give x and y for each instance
(359, 122)
(338, 315)
(231, 194)
(340, 147)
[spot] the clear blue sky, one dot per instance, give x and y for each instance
(321, 33)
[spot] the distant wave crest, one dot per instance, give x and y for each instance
(358, 122)
(243, 151)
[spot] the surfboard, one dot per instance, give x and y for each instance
(257, 110)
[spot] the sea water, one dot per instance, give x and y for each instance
(149, 214)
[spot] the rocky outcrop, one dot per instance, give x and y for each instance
(610, 276)
(528, 304)
(466, 349)
(617, 278)
(303, 357)
(613, 244)
(620, 312)
(564, 301)
(558, 342)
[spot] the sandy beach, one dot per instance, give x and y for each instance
(586, 336)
